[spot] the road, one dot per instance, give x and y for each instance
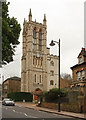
(21, 112)
(0, 110)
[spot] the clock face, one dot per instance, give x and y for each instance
(38, 55)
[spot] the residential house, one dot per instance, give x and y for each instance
(79, 73)
(10, 85)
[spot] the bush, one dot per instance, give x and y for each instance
(20, 96)
(53, 95)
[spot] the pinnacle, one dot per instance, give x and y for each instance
(30, 14)
(44, 17)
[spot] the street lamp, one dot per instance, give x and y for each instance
(52, 44)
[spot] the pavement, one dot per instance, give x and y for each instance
(34, 106)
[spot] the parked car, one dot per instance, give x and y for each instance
(8, 101)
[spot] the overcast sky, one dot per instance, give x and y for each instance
(65, 20)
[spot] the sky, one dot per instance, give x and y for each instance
(65, 20)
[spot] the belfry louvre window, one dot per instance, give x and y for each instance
(40, 40)
(34, 39)
(33, 60)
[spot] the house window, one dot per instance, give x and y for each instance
(40, 40)
(52, 63)
(51, 82)
(35, 78)
(80, 59)
(83, 75)
(78, 76)
(34, 39)
(5, 87)
(78, 87)
(52, 73)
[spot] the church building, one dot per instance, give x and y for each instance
(39, 68)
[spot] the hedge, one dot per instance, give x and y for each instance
(20, 96)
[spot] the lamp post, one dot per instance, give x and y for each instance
(52, 44)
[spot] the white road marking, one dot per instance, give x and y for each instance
(30, 116)
(14, 111)
(55, 114)
(34, 117)
(25, 114)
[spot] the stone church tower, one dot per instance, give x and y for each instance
(34, 58)
(39, 68)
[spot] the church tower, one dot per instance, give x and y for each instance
(34, 55)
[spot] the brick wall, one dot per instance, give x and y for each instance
(84, 105)
(64, 83)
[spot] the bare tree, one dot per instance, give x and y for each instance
(66, 76)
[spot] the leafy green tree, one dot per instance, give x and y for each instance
(10, 34)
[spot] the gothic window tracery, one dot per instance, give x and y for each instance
(40, 40)
(34, 39)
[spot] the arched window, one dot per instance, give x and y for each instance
(34, 60)
(40, 40)
(35, 78)
(51, 73)
(34, 39)
(51, 82)
(40, 79)
(52, 63)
